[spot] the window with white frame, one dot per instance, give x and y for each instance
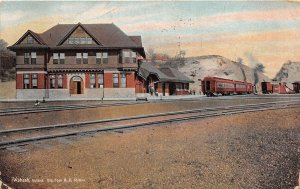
(55, 58)
(60, 81)
(82, 40)
(89, 40)
(52, 81)
(29, 40)
(126, 55)
(58, 58)
(123, 80)
(71, 40)
(79, 40)
(98, 58)
(26, 58)
(133, 55)
(105, 57)
(76, 40)
(33, 57)
(78, 58)
(26, 84)
(92, 80)
(115, 80)
(61, 58)
(102, 57)
(85, 58)
(34, 81)
(101, 80)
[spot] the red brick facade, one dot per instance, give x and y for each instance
(130, 80)
(19, 81)
(87, 80)
(108, 80)
(41, 81)
(65, 81)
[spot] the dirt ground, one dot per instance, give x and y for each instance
(251, 150)
(7, 89)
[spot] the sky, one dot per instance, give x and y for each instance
(265, 32)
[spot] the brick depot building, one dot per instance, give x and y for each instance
(82, 61)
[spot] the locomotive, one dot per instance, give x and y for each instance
(214, 86)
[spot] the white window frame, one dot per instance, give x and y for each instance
(101, 80)
(26, 77)
(123, 83)
(34, 81)
(92, 80)
(60, 81)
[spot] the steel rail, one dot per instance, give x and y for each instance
(84, 106)
(77, 124)
(6, 144)
(27, 110)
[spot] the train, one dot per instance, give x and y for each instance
(212, 86)
(280, 88)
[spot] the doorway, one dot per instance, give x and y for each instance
(76, 85)
(172, 89)
(207, 85)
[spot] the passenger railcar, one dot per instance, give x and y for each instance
(214, 86)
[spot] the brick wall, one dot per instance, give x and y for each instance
(65, 81)
(87, 80)
(130, 82)
(108, 80)
(41, 81)
(19, 81)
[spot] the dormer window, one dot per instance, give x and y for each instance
(89, 40)
(83, 40)
(29, 40)
(71, 40)
(79, 40)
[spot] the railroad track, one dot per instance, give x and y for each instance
(27, 110)
(22, 136)
(38, 109)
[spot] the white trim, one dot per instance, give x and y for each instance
(111, 71)
(25, 72)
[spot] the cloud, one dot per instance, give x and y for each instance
(12, 16)
(199, 22)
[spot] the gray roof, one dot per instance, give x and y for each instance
(106, 36)
(165, 74)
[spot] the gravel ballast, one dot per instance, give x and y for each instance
(251, 150)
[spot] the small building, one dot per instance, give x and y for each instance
(296, 86)
(161, 81)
